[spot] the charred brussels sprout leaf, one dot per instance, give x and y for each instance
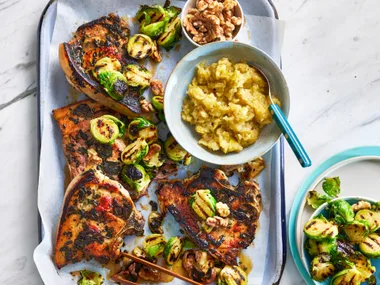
(232, 275)
(155, 222)
(140, 46)
(315, 199)
(357, 231)
(173, 11)
(154, 158)
(321, 267)
(187, 160)
(153, 30)
(371, 217)
(90, 278)
(171, 35)
(173, 250)
(341, 211)
(135, 151)
(135, 126)
(135, 176)
(137, 75)
(158, 102)
(331, 186)
(362, 264)
(203, 203)
(161, 116)
(370, 247)
(173, 150)
(372, 280)
(104, 129)
(348, 276)
(319, 229)
(154, 245)
(114, 83)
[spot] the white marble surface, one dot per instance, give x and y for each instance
(331, 59)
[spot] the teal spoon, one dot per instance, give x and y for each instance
(287, 130)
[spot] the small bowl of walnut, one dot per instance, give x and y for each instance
(206, 21)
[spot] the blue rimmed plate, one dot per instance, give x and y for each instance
(359, 171)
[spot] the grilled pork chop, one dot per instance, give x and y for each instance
(103, 37)
(244, 201)
(97, 213)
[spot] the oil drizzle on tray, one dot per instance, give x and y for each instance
(73, 95)
(245, 262)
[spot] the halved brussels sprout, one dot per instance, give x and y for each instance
(88, 277)
(173, 250)
(155, 222)
(341, 211)
(356, 231)
(321, 267)
(138, 252)
(137, 75)
(154, 245)
(232, 275)
(362, 264)
(156, 55)
(315, 199)
(314, 247)
(140, 46)
(150, 134)
(105, 64)
(370, 247)
(136, 125)
(155, 157)
(203, 203)
(372, 218)
(349, 276)
(105, 129)
(155, 13)
(158, 102)
(173, 150)
(114, 83)
(135, 176)
(135, 151)
(319, 228)
(171, 35)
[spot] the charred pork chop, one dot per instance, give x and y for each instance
(244, 202)
(97, 213)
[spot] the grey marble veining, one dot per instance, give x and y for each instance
(331, 59)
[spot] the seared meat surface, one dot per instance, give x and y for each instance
(244, 202)
(103, 37)
(97, 213)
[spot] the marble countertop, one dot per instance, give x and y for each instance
(331, 59)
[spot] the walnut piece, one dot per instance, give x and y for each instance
(146, 106)
(157, 88)
(361, 205)
(222, 209)
(217, 222)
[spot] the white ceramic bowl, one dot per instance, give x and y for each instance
(181, 77)
(191, 4)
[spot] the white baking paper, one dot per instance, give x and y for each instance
(262, 32)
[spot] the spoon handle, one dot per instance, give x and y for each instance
(290, 135)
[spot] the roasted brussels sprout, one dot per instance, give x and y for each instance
(135, 151)
(319, 228)
(173, 11)
(154, 158)
(321, 267)
(371, 217)
(315, 199)
(140, 46)
(314, 247)
(106, 64)
(155, 13)
(156, 55)
(152, 29)
(106, 129)
(158, 102)
(173, 150)
(114, 83)
(203, 203)
(370, 247)
(171, 35)
(154, 245)
(331, 186)
(357, 231)
(341, 211)
(149, 134)
(173, 250)
(199, 265)
(232, 275)
(138, 252)
(135, 176)
(155, 222)
(137, 75)
(136, 125)
(349, 276)
(90, 278)
(362, 264)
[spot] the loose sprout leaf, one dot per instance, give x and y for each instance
(341, 211)
(315, 199)
(331, 186)
(90, 278)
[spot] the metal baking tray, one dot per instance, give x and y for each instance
(276, 253)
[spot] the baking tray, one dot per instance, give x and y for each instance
(276, 253)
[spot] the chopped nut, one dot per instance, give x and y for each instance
(217, 221)
(361, 205)
(236, 21)
(157, 88)
(222, 209)
(93, 157)
(146, 106)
